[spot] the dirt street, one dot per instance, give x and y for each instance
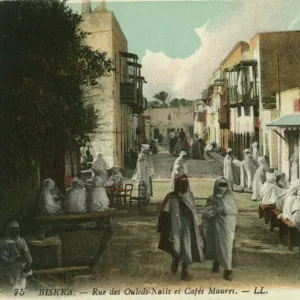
(132, 258)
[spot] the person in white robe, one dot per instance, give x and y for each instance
(76, 198)
(116, 179)
(269, 192)
(15, 258)
(218, 227)
(259, 177)
(231, 169)
(294, 167)
(180, 167)
(280, 179)
(99, 167)
(144, 170)
(295, 217)
(48, 203)
(97, 197)
(248, 169)
(284, 192)
(255, 151)
(289, 200)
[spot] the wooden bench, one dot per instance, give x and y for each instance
(264, 211)
(285, 227)
(72, 240)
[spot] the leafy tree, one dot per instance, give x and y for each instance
(44, 69)
(174, 103)
(163, 97)
(155, 103)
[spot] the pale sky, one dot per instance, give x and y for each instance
(181, 43)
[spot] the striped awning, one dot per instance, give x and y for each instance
(288, 122)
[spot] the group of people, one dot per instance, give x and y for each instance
(180, 235)
(77, 199)
(178, 142)
(250, 173)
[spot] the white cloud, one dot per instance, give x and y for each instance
(188, 77)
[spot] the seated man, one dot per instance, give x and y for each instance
(115, 180)
(269, 191)
(15, 258)
(97, 197)
(48, 203)
(76, 198)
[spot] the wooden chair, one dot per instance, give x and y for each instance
(142, 196)
(264, 211)
(125, 194)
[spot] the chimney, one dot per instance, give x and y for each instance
(86, 7)
(101, 6)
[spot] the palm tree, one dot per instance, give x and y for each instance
(163, 97)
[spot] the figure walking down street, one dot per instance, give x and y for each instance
(177, 225)
(180, 167)
(248, 170)
(218, 225)
(144, 170)
(99, 167)
(259, 177)
(231, 169)
(255, 151)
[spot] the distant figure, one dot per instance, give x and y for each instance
(99, 167)
(76, 198)
(180, 167)
(231, 169)
(179, 232)
(182, 134)
(144, 170)
(202, 147)
(259, 177)
(153, 147)
(269, 191)
(15, 258)
(178, 147)
(196, 153)
(255, 151)
(97, 197)
(248, 169)
(219, 224)
(186, 146)
(48, 203)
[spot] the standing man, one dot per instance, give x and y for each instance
(177, 225)
(180, 167)
(144, 170)
(99, 167)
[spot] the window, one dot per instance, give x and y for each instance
(169, 117)
(247, 111)
(239, 110)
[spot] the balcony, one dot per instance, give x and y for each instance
(248, 97)
(140, 107)
(200, 116)
(131, 86)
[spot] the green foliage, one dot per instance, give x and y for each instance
(44, 68)
(163, 99)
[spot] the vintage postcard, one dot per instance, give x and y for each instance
(150, 149)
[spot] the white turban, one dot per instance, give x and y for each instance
(182, 153)
(145, 147)
(229, 150)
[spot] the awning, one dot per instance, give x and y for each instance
(289, 122)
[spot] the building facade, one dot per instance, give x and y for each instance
(165, 120)
(119, 96)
